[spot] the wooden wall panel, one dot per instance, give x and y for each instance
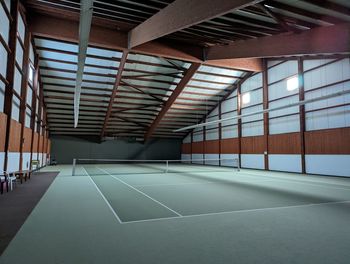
(15, 136)
(197, 147)
(230, 146)
(328, 141)
(48, 146)
(41, 144)
(253, 145)
(284, 143)
(212, 147)
(35, 142)
(45, 145)
(3, 119)
(186, 148)
(27, 136)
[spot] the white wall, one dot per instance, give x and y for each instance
(327, 114)
(253, 161)
(252, 125)
(212, 159)
(337, 165)
(285, 120)
(229, 160)
(25, 160)
(13, 161)
(285, 162)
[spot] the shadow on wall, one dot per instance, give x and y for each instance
(66, 148)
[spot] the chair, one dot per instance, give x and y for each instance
(3, 181)
(9, 178)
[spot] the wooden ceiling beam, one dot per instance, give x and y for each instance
(114, 92)
(171, 100)
(183, 14)
(320, 40)
(104, 37)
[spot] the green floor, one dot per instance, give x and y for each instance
(196, 215)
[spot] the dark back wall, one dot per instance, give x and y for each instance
(65, 148)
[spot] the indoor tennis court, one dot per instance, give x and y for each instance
(175, 131)
(205, 215)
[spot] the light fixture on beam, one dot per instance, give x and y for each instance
(84, 33)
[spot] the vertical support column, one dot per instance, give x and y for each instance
(239, 123)
(24, 87)
(10, 72)
(34, 96)
(203, 142)
(39, 123)
(191, 146)
(219, 131)
(266, 115)
(302, 113)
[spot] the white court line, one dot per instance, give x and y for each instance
(238, 211)
(104, 198)
(154, 200)
(172, 184)
(297, 181)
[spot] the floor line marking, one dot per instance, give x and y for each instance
(239, 211)
(130, 186)
(298, 181)
(104, 198)
(171, 184)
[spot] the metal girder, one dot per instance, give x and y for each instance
(321, 40)
(177, 91)
(182, 14)
(84, 33)
(114, 92)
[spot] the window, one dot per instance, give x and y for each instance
(293, 83)
(246, 98)
(31, 74)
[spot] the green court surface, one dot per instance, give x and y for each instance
(139, 214)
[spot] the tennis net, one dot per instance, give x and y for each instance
(82, 167)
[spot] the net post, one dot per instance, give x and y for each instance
(238, 167)
(73, 169)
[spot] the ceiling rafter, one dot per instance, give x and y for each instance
(104, 37)
(177, 91)
(320, 40)
(143, 92)
(184, 14)
(114, 92)
(277, 18)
